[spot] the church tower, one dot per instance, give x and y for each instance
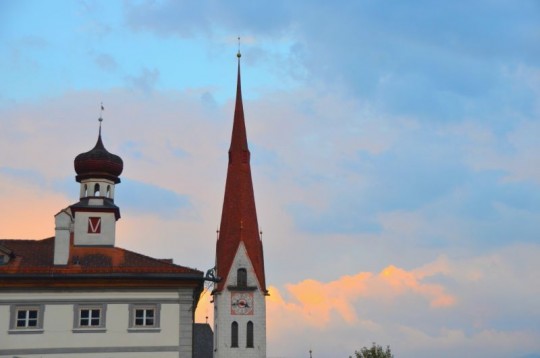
(239, 298)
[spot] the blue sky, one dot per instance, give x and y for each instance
(394, 154)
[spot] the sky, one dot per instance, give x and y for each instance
(394, 146)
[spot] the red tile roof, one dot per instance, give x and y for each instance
(37, 257)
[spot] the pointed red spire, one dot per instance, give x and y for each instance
(239, 216)
(239, 136)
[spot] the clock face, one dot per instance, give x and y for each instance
(242, 303)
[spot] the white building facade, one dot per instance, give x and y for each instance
(77, 294)
(104, 323)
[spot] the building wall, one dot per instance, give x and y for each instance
(223, 315)
(108, 228)
(173, 338)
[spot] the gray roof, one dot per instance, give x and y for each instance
(203, 340)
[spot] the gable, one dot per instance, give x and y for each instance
(241, 260)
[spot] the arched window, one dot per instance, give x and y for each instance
(96, 189)
(108, 191)
(249, 335)
(85, 190)
(241, 277)
(234, 335)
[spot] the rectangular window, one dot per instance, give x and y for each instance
(89, 317)
(144, 316)
(26, 318)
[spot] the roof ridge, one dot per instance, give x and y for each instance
(155, 259)
(28, 240)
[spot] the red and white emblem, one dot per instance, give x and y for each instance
(94, 225)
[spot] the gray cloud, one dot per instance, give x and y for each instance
(187, 18)
(144, 82)
(142, 198)
(438, 61)
(106, 62)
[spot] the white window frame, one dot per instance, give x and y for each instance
(78, 319)
(26, 328)
(134, 327)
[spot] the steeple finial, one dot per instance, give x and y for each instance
(100, 119)
(238, 54)
(239, 146)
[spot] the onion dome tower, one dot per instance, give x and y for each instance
(95, 214)
(98, 169)
(240, 296)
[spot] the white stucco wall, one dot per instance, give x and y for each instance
(58, 339)
(223, 317)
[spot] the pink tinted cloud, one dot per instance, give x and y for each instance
(318, 303)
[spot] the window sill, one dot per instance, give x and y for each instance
(25, 331)
(144, 330)
(89, 330)
(241, 288)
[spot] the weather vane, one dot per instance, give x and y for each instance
(238, 54)
(100, 119)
